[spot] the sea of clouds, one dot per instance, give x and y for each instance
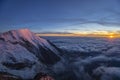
(89, 58)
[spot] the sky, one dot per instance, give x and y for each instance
(61, 16)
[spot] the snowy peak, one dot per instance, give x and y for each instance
(22, 36)
(41, 48)
(14, 35)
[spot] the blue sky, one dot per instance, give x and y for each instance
(60, 15)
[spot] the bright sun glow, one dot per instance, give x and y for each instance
(111, 36)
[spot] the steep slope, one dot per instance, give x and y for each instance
(24, 54)
(16, 60)
(45, 51)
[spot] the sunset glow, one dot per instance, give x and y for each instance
(111, 36)
(85, 34)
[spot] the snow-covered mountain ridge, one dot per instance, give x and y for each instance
(24, 54)
(32, 43)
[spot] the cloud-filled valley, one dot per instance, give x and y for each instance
(90, 58)
(87, 45)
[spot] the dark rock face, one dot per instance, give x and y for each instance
(18, 66)
(49, 57)
(6, 76)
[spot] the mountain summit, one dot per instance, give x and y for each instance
(24, 53)
(43, 49)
